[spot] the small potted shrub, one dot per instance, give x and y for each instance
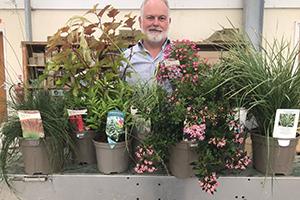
(144, 100)
(194, 121)
(86, 57)
(81, 133)
(265, 81)
(109, 115)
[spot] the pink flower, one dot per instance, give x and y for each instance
(238, 139)
(239, 161)
(137, 154)
(150, 151)
(144, 156)
(219, 142)
(195, 131)
(209, 183)
(152, 169)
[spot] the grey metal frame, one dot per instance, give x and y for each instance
(141, 187)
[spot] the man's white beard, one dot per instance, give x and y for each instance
(155, 37)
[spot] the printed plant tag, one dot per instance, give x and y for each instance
(31, 123)
(170, 62)
(114, 126)
(77, 112)
(285, 126)
(241, 114)
(77, 120)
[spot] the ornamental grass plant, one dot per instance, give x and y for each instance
(55, 126)
(264, 81)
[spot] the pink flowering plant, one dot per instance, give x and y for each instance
(197, 110)
(146, 160)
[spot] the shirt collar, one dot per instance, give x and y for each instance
(141, 45)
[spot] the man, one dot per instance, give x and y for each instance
(145, 56)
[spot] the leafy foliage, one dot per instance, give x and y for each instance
(11, 130)
(264, 80)
(88, 49)
(198, 110)
(106, 96)
(88, 54)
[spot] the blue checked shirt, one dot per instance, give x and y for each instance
(142, 66)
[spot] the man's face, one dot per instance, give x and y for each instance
(155, 21)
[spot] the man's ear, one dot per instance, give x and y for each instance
(170, 20)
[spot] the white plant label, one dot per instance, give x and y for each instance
(285, 125)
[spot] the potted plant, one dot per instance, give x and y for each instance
(86, 57)
(113, 141)
(81, 133)
(144, 100)
(40, 155)
(265, 81)
(195, 121)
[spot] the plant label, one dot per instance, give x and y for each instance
(171, 62)
(114, 126)
(285, 126)
(77, 121)
(31, 124)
